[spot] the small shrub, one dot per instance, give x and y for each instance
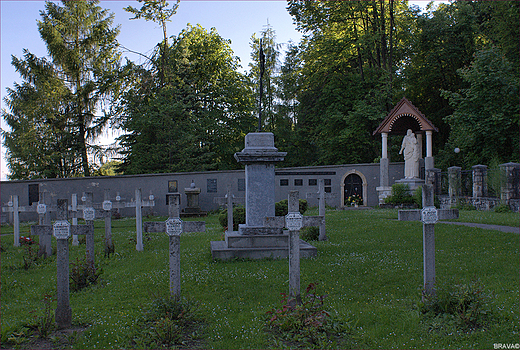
(281, 208)
(168, 322)
(400, 195)
(239, 217)
(502, 208)
(307, 324)
(310, 233)
(83, 274)
(464, 306)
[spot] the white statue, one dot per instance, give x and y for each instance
(411, 155)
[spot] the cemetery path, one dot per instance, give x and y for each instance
(507, 229)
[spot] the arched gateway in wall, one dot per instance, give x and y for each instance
(353, 183)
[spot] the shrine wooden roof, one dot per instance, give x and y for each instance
(402, 117)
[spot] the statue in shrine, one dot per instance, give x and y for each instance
(411, 155)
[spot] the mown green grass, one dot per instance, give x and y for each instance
(370, 268)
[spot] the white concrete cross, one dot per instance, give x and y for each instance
(429, 215)
(62, 231)
(13, 206)
(174, 227)
(294, 221)
(138, 204)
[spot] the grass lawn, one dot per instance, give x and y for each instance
(370, 267)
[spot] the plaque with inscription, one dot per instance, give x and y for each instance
(211, 185)
(173, 227)
(294, 221)
(61, 229)
(89, 214)
(429, 215)
(41, 209)
(107, 205)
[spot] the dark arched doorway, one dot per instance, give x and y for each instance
(353, 190)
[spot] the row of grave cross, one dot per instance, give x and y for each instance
(62, 230)
(89, 214)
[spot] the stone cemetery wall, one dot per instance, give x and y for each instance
(212, 184)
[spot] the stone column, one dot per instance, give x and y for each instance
(510, 184)
(454, 180)
(428, 161)
(479, 181)
(259, 157)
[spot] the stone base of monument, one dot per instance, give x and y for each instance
(413, 183)
(258, 246)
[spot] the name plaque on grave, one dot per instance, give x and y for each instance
(107, 205)
(294, 221)
(61, 229)
(89, 214)
(429, 215)
(173, 227)
(41, 208)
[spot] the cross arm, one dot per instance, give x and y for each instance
(41, 230)
(187, 226)
(279, 221)
(81, 229)
(415, 215)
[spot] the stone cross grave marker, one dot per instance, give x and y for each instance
(229, 200)
(429, 215)
(321, 209)
(62, 231)
(138, 204)
(13, 206)
(43, 218)
(294, 221)
(174, 227)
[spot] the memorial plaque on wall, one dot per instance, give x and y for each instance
(212, 185)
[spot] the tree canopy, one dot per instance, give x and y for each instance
(190, 105)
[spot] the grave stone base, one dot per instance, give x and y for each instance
(258, 246)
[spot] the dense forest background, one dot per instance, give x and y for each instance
(189, 106)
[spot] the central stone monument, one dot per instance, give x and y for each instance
(259, 157)
(255, 240)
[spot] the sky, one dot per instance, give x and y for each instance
(236, 20)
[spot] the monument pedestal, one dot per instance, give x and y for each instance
(254, 240)
(192, 203)
(413, 183)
